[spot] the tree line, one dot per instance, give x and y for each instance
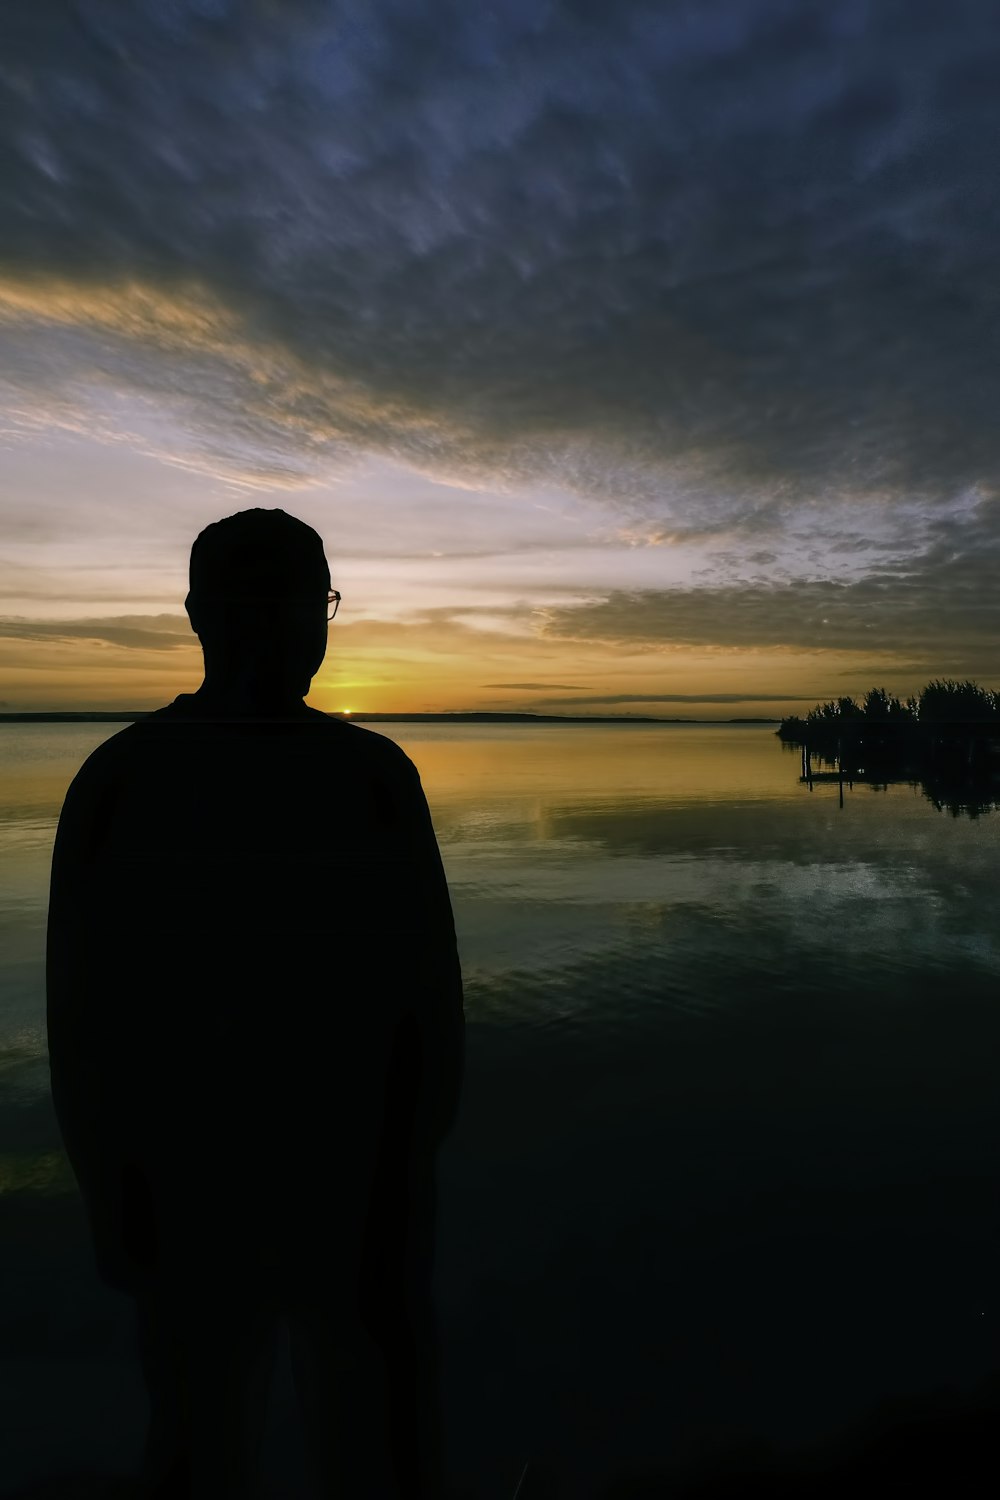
(943, 704)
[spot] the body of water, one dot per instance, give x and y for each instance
(726, 1162)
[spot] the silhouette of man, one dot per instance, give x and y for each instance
(256, 1040)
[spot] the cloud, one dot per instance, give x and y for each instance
(440, 628)
(131, 632)
(682, 698)
(942, 603)
(530, 687)
(936, 611)
(702, 262)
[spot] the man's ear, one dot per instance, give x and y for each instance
(191, 615)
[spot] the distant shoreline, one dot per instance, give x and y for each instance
(373, 718)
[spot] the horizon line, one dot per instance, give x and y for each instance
(123, 716)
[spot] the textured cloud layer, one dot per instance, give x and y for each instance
(700, 259)
(940, 607)
(134, 632)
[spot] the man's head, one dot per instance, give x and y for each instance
(257, 601)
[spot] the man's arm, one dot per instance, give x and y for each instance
(437, 972)
(78, 1064)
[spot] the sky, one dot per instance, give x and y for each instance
(633, 358)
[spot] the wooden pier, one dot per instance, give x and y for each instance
(809, 775)
(979, 764)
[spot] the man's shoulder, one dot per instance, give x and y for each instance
(377, 749)
(97, 780)
(109, 754)
(113, 756)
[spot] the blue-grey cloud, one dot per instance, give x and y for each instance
(704, 259)
(132, 632)
(681, 698)
(940, 606)
(167, 632)
(935, 612)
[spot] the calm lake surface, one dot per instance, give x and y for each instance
(727, 1161)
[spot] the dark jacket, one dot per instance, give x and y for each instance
(255, 1010)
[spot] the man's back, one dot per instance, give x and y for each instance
(254, 989)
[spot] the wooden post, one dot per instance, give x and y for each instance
(840, 768)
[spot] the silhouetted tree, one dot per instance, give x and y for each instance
(945, 701)
(946, 740)
(878, 705)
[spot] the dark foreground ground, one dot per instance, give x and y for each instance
(738, 1260)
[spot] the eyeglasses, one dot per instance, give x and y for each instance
(334, 599)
